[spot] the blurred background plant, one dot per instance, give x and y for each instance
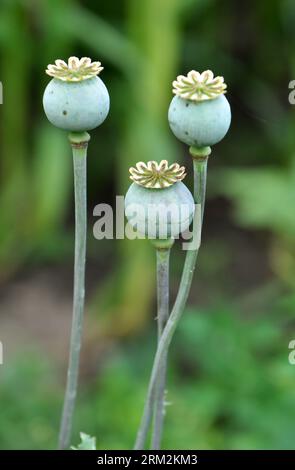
(231, 383)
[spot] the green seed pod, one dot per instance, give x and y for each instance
(76, 99)
(158, 205)
(199, 115)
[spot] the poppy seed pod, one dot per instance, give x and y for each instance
(157, 204)
(76, 99)
(199, 115)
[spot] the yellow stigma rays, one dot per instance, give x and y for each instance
(75, 70)
(199, 86)
(155, 175)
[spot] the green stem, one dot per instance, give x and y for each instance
(163, 256)
(200, 158)
(79, 143)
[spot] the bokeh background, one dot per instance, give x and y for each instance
(230, 383)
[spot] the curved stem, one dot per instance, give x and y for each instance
(163, 256)
(79, 143)
(200, 175)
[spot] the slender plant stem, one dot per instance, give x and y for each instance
(200, 177)
(79, 143)
(163, 256)
(200, 158)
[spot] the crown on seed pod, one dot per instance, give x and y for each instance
(157, 175)
(75, 70)
(199, 86)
